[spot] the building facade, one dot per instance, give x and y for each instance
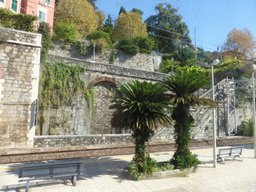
(43, 9)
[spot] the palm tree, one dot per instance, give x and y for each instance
(182, 85)
(141, 108)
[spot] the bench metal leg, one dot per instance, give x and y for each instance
(238, 156)
(222, 159)
(74, 177)
(27, 187)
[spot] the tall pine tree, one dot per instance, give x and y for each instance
(175, 33)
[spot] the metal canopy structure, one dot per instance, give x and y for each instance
(230, 94)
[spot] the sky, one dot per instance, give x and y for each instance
(212, 19)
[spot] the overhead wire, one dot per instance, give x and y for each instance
(166, 37)
(149, 33)
(134, 29)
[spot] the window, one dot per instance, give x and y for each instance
(42, 16)
(14, 5)
(46, 1)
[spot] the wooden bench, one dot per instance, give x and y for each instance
(50, 171)
(229, 152)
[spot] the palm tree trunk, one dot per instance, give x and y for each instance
(140, 149)
(183, 121)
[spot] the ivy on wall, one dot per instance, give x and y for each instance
(45, 30)
(58, 86)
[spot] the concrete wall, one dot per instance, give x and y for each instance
(19, 77)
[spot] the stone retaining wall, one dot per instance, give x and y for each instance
(108, 68)
(141, 61)
(104, 78)
(84, 140)
(121, 139)
(19, 77)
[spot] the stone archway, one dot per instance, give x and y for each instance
(105, 88)
(102, 79)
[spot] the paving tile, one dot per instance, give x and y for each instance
(108, 176)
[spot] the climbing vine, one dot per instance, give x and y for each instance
(58, 86)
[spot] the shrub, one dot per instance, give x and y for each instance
(65, 31)
(167, 56)
(148, 167)
(129, 49)
(17, 21)
(101, 44)
(134, 45)
(185, 161)
(82, 45)
(163, 166)
(246, 128)
(145, 44)
(113, 56)
(167, 66)
(45, 30)
(99, 35)
(128, 46)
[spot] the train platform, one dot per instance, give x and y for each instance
(106, 174)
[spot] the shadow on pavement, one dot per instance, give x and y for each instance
(90, 168)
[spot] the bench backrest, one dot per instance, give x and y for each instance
(49, 169)
(231, 150)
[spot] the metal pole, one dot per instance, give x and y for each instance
(234, 99)
(254, 122)
(214, 124)
(227, 129)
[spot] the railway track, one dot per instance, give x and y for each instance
(80, 153)
(112, 151)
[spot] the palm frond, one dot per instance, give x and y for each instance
(141, 104)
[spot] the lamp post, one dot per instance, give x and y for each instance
(215, 62)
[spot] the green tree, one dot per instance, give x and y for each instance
(204, 56)
(65, 31)
(108, 25)
(92, 2)
(101, 19)
(109, 22)
(175, 33)
(183, 84)
(183, 54)
(137, 11)
(122, 10)
(81, 13)
(168, 66)
(231, 68)
(141, 108)
(129, 24)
